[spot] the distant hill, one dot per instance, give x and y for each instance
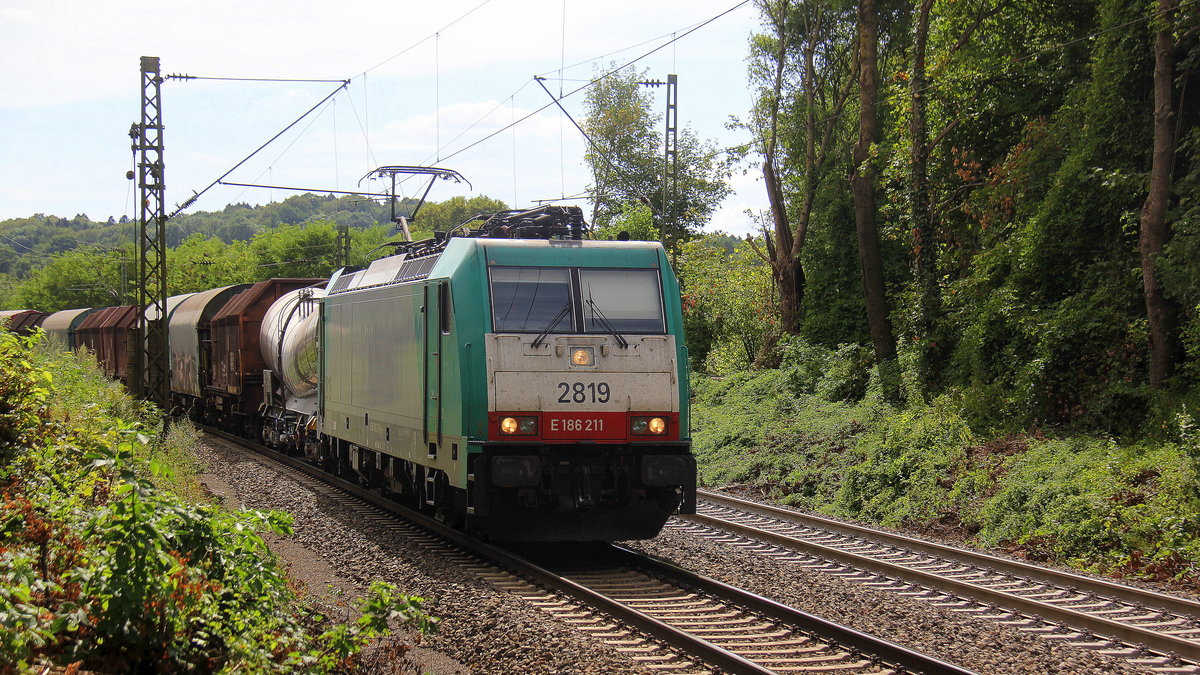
(26, 243)
(52, 263)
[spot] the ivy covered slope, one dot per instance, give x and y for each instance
(104, 564)
(816, 433)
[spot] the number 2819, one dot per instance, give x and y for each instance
(578, 392)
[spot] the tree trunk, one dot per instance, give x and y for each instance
(928, 305)
(1154, 210)
(788, 274)
(863, 186)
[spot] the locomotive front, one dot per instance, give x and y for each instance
(585, 378)
(531, 389)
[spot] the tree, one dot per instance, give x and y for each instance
(310, 250)
(442, 216)
(200, 263)
(635, 221)
(1154, 210)
(924, 247)
(863, 185)
(727, 300)
(626, 160)
(797, 158)
(75, 279)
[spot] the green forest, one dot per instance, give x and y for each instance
(972, 305)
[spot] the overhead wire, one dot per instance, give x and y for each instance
(271, 166)
(604, 76)
(364, 122)
(439, 146)
(197, 195)
(425, 39)
(248, 79)
(601, 154)
(344, 84)
(562, 59)
(625, 49)
(512, 108)
(437, 91)
(675, 36)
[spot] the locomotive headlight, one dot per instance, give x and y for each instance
(644, 426)
(582, 356)
(518, 426)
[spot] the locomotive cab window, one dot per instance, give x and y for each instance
(627, 301)
(531, 299)
(581, 300)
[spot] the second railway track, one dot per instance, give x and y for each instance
(1150, 629)
(658, 614)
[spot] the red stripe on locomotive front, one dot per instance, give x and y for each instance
(593, 427)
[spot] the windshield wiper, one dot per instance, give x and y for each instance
(562, 313)
(606, 324)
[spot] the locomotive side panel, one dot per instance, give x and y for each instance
(374, 368)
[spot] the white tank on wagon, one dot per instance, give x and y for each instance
(290, 341)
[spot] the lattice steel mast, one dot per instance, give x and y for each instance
(670, 180)
(152, 242)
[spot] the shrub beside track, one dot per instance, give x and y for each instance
(102, 567)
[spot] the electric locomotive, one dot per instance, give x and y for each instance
(510, 377)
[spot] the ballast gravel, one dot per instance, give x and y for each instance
(975, 644)
(337, 554)
(482, 630)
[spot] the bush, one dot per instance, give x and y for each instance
(102, 567)
(751, 428)
(835, 375)
(1098, 504)
(907, 465)
(1090, 501)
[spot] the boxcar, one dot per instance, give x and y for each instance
(22, 321)
(63, 325)
(191, 346)
(114, 340)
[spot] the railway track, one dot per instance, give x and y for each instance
(659, 615)
(1151, 629)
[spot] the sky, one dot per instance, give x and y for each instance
(429, 82)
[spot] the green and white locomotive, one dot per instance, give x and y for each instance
(515, 378)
